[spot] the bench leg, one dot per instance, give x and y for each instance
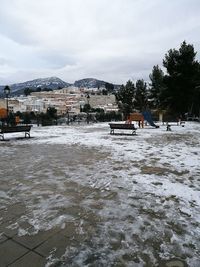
(2, 137)
(27, 134)
(134, 132)
(112, 131)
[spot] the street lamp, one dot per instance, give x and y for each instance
(88, 99)
(82, 103)
(88, 103)
(7, 92)
(67, 112)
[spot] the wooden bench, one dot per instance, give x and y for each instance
(122, 126)
(15, 129)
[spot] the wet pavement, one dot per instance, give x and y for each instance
(74, 204)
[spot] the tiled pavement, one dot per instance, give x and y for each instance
(32, 250)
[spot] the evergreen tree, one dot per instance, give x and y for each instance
(109, 87)
(125, 98)
(27, 91)
(141, 97)
(86, 108)
(104, 92)
(157, 88)
(195, 107)
(181, 78)
(26, 118)
(52, 112)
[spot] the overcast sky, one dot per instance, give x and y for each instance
(74, 39)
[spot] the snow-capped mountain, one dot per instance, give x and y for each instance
(91, 83)
(50, 83)
(53, 83)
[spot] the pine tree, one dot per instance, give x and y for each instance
(141, 98)
(157, 88)
(182, 69)
(125, 98)
(109, 87)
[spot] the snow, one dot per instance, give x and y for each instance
(144, 189)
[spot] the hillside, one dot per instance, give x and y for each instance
(53, 83)
(92, 83)
(50, 83)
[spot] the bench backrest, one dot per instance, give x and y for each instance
(13, 129)
(122, 126)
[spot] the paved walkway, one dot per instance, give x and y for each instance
(33, 250)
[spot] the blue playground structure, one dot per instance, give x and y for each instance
(148, 118)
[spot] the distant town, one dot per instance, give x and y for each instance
(68, 101)
(172, 95)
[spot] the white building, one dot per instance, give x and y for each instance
(66, 100)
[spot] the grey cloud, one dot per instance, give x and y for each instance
(56, 60)
(4, 61)
(109, 40)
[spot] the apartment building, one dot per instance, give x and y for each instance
(65, 100)
(2, 103)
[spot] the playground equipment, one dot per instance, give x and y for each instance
(148, 118)
(4, 116)
(3, 113)
(141, 117)
(137, 117)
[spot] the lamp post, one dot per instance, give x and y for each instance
(88, 99)
(67, 112)
(82, 103)
(88, 103)
(7, 92)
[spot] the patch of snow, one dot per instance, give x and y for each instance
(144, 189)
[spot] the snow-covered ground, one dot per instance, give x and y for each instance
(140, 194)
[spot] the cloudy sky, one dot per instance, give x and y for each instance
(74, 39)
